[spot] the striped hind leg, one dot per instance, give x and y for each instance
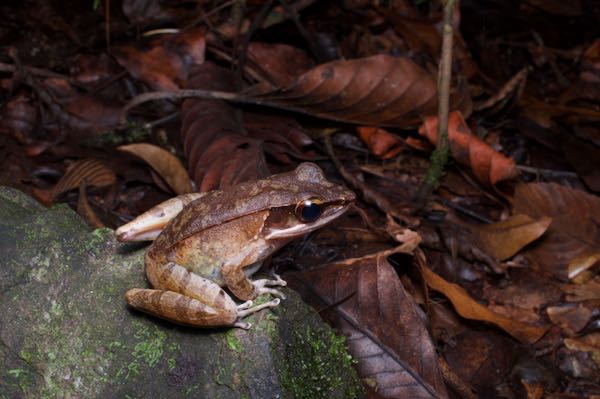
(187, 298)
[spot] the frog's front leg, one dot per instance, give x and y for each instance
(186, 298)
(244, 289)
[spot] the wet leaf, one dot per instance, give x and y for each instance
(378, 91)
(572, 242)
(366, 302)
(504, 239)
(468, 308)
(167, 165)
(91, 171)
(487, 164)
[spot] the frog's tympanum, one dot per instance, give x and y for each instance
(220, 238)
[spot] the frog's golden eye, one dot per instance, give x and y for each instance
(309, 210)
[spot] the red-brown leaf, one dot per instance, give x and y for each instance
(487, 164)
(381, 142)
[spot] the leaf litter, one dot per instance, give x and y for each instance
(493, 286)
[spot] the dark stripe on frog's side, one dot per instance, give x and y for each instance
(221, 206)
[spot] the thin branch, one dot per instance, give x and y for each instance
(439, 157)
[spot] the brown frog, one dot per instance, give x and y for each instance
(220, 238)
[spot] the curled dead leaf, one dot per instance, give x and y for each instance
(468, 308)
(167, 165)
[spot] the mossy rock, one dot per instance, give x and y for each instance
(66, 332)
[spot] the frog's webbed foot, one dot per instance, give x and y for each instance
(262, 286)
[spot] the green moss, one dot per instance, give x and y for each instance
(307, 372)
(233, 342)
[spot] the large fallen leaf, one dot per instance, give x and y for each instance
(164, 163)
(487, 164)
(216, 146)
(380, 90)
(504, 239)
(572, 243)
(468, 308)
(365, 300)
(91, 171)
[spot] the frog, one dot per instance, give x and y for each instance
(209, 245)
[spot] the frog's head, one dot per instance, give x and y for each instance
(312, 201)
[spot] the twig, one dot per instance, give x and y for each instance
(439, 158)
(547, 172)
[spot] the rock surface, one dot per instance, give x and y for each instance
(66, 332)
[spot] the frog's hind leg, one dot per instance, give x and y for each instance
(180, 309)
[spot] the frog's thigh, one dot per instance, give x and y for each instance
(181, 309)
(176, 278)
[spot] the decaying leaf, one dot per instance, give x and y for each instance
(487, 164)
(93, 172)
(365, 300)
(571, 244)
(167, 165)
(378, 91)
(504, 239)
(468, 308)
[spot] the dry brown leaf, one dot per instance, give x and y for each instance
(487, 164)
(167, 165)
(366, 302)
(378, 91)
(572, 243)
(504, 239)
(93, 172)
(468, 308)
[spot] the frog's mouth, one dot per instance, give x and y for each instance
(299, 228)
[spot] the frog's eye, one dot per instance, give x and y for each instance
(309, 210)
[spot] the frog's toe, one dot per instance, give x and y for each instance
(242, 324)
(270, 304)
(272, 291)
(245, 305)
(278, 282)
